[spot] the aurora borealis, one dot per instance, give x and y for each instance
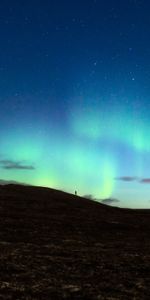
(75, 97)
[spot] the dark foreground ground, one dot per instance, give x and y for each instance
(58, 246)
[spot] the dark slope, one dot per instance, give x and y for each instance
(54, 245)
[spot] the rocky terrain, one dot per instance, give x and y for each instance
(54, 245)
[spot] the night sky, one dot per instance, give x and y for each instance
(75, 97)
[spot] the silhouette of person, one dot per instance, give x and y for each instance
(75, 192)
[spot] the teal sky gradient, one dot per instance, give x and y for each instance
(75, 97)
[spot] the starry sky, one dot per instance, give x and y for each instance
(75, 97)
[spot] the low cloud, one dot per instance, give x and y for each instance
(145, 180)
(15, 165)
(18, 166)
(89, 196)
(130, 178)
(126, 178)
(110, 201)
(107, 201)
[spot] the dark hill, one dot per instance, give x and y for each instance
(55, 245)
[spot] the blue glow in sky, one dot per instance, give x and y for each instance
(75, 97)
